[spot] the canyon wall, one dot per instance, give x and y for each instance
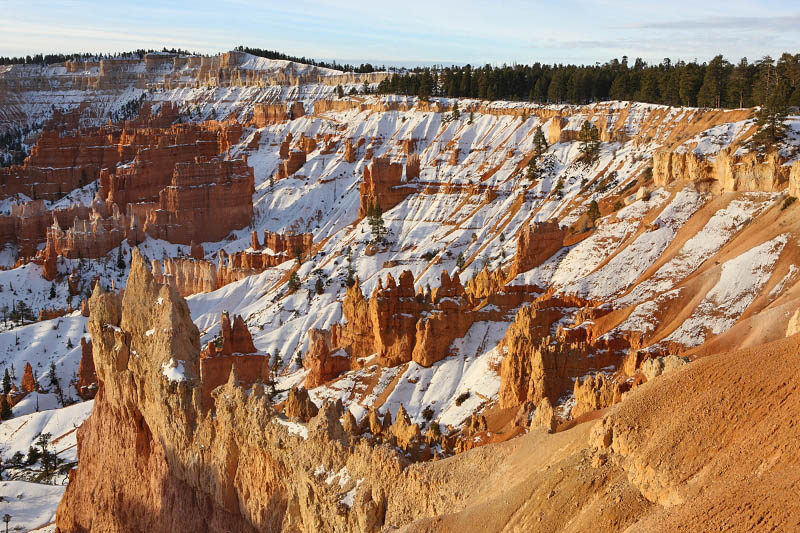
(201, 191)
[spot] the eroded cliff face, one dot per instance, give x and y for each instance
(197, 192)
(154, 177)
(726, 173)
(192, 275)
(153, 458)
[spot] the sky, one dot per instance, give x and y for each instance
(412, 32)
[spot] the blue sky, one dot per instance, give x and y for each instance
(412, 31)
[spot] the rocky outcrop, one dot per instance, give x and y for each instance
(595, 392)
(394, 313)
(90, 238)
(412, 167)
(267, 114)
(186, 276)
(28, 223)
(286, 242)
(355, 335)
(400, 325)
(299, 405)
(794, 180)
(486, 283)
(407, 435)
(750, 172)
(794, 324)
(536, 243)
(153, 155)
(28, 381)
(50, 262)
(236, 337)
(60, 162)
(454, 155)
(233, 353)
(382, 186)
(189, 275)
(50, 314)
(86, 384)
(544, 416)
(555, 128)
(450, 319)
(543, 364)
(293, 159)
(151, 188)
(321, 364)
(349, 151)
(654, 367)
(196, 251)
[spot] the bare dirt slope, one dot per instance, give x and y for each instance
(712, 446)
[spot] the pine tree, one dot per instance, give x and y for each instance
(350, 280)
(339, 91)
(539, 142)
(376, 224)
(6, 382)
(294, 282)
(319, 287)
(120, 260)
(711, 92)
(740, 84)
(594, 211)
(52, 291)
(769, 120)
(55, 384)
(460, 260)
(690, 83)
(539, 147)
(765, 82)
(589, 138)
